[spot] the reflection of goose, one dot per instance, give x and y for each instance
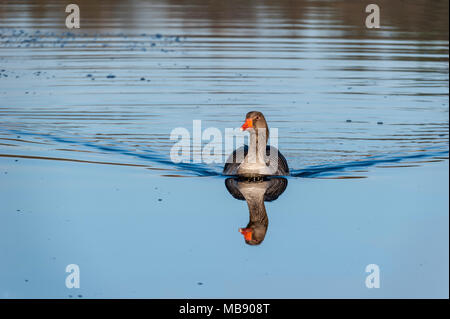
(258, 158)
(256, 193)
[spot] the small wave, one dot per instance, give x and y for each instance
(147, 154)
(327, 170)
(333, 168)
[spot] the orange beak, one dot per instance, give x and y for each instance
(247, 232)
(248, 124)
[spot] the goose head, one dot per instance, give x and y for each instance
(255, 123)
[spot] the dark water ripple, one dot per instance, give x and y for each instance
(429, 154)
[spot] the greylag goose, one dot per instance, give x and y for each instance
(257, 159)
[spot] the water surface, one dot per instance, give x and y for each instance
(86, 176)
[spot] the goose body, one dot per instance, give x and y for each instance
(234, 166)
(257, 159)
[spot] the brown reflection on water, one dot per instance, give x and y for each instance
(414, 19)
(255, 193)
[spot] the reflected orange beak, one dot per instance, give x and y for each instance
(248, 124)
(247, 232)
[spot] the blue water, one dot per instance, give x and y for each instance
(86, 175)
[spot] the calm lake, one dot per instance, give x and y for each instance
(86, 176)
